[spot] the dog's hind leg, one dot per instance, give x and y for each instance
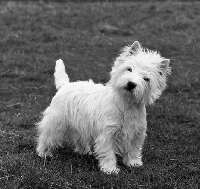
(51, 133)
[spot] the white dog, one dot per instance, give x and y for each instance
(110, 119)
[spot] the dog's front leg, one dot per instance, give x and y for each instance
(133, 156)
(105, 152)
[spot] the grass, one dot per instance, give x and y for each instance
(88, 36)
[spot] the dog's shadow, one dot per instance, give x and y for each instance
(67, 157)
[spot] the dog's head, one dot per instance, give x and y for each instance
(141, 73)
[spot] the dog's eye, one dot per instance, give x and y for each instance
(160, 73)
(146, 78)
(129, 69)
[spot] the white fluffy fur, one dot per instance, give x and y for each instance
(109, 119)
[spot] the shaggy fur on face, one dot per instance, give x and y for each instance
(111, 119)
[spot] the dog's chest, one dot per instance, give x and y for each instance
(133, 121)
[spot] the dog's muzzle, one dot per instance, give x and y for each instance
(130, 85)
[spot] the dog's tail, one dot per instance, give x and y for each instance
(61, 78)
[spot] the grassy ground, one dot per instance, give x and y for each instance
(88, 38)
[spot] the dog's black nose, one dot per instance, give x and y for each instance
(130, 85)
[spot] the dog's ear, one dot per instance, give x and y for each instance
(135, 48)
(164, 66)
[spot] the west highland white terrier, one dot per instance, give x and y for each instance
(111, 118)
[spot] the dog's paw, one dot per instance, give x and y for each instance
(135, 163)
(110, 170)
(45, 154)
(83, 151)
(109, 167)
(89, 153)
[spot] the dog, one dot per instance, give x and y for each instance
(105, 119)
